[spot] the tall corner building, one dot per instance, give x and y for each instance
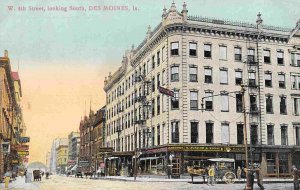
(180, 91)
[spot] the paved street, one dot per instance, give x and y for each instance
(71, 183)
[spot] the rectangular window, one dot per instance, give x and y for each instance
(158, 80)
(194, 100)
(153, 136)
(207, 50)
(158, 105)
(297, 135)
(158, 135)
(224, 103)
(162, 54)
(281, 80)
(208, 101)
(237, 54)
(153, 108)
(223, 52)
(280, 58)
(175, 132)
(223, 77)
(295, 80)
(209, 133)
(253, 104)
(175, 101)
(268, 79)
(267, 56)
(238, 77)
(240, 133)
(163, 77)
(174, 48)
(283, 105)
(225, 133)
(193, 74)
(194, 132)
(270, 134)
(153, 84)
(295, 59)
(239, 102)
(284, 137)
(193, 49)
(174, 73)
(269, 104)
(251, 55)
(254, 134)
(252, 81)
(296, 103)
(271, 165)
(153, 62)
(208, 75)
(158, 58)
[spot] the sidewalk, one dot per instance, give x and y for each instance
(185, 178)
(19, 183)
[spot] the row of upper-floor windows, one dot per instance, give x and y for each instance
(237, 53)
(146, 89)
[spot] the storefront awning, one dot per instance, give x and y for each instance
(111, 158)
(74, 167)
(149, 158)
(221, 159)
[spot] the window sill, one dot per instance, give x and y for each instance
(268, 63)
(283, 113)
(224, 83)
(238, 84)
(207, 58)
(224, 110)
(280, 64)
(194, 81)
(174, 80)
(223, 59)
(209, 109)
(269, 112)
(174, 109)
(238, 61)
(239, 111)
(208, 82)
(174, 55)
(193, 56)
(268, 86)
(282, 87)
(194, 109)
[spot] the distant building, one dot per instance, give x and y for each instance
(74, 148)
(91, 139)
(62, 157)
(53, 157)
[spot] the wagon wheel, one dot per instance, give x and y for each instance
(229, 177)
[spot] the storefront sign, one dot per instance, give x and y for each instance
(165, 91)
(206, 148)
(84, 163)
(157, 150)
(19, 147)
(15, 161)
(105, 149)
(23, 153)
(24, 139)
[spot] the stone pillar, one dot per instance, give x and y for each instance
(263, 163)
(277, 163)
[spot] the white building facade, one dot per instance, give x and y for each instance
(204, 62)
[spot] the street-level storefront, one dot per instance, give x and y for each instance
(119, 163)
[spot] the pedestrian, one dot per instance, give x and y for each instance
(295, 174)
(239, 173)
(259, 178)
(211, 175)
(7, 176)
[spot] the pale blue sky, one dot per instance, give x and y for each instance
(97, 37)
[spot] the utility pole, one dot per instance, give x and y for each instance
(248, 184)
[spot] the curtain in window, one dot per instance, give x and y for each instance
(193, 46)
(207, 47)
(224, 102)
(174, 70)
(223, 52)
(225, 133)
(193, 70)
(209, 96)
(266, 53)
(268, 76)
(223, 77)
(237, 51)
(279, 54)
(251, 75)
(207, 71)
(175, 45)
(281, 78)
(238, 74)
